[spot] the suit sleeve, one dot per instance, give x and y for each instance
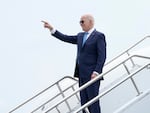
(65, 38)
(101, 52)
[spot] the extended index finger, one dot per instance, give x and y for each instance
(44, 22)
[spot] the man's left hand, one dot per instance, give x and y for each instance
(94, 75)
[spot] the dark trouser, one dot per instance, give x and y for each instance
(88, 93)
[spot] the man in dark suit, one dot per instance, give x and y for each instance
(91, 55)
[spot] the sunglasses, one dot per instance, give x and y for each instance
(82, 22)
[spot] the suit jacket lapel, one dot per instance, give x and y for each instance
(91, 35)
(81, 40)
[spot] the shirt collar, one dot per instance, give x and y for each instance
(91, 30)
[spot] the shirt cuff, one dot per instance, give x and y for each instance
(53, 31)
(94, 72)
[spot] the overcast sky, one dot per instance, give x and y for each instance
(31, 59)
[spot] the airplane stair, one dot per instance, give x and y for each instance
(125, 88)
(139, 104)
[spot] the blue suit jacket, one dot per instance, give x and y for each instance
(91, 57)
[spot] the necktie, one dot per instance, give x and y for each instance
(84, 38)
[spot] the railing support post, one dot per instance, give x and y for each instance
(132, 80)
(131, 59)
(135, 86)
(63, 97)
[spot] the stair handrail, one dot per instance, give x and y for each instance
(42, 105)
(111, 88)
(127, 50)
(41, 92)
(94, 80)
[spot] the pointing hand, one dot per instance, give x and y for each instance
(47, 25)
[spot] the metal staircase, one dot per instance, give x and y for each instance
(49, 96)
(126, 78)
